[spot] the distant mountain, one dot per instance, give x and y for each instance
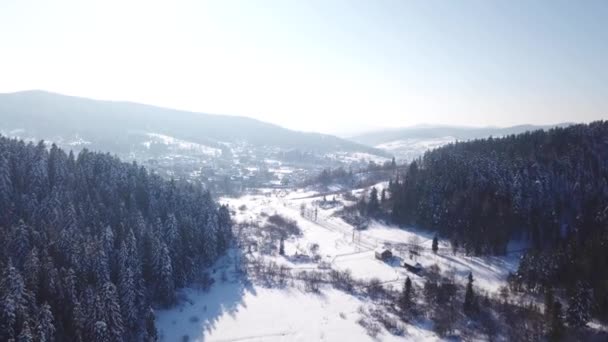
(436, 132)
(118, 126)
(411, 142)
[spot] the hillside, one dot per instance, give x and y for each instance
(547, 188)
(410, 142)
(90, 244)
(119, 127)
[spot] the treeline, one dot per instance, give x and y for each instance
(343, 177)
(88, 244)
(549, 188)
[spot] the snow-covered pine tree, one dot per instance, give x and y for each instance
(165, 277)
(127, 290)
(26, 333)
(45, 328)
(113, 316)
(150, 333)
(15, 301)
(100, 332)
(579, 306)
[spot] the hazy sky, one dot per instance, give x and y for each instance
(330, 66)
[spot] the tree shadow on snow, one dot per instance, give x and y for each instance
(198, 313)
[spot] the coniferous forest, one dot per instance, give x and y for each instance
(90, 244)
(547, 188)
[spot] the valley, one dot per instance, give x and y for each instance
(279, 307)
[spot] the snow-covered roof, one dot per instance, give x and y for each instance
(382, 250)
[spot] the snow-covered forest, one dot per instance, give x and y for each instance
(89, 244)
(548, 188)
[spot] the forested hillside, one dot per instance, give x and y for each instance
(88, 244)
(549, 188)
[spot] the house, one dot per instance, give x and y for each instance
(417, 268)
(383, 253)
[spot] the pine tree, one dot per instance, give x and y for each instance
(128, 295)
(405, 300)
(557, 322)
(469, 297)
(32, 270)
(150, 334)
(579, 306)
(78, 322)
(100, 332)
(14, 302)
(114, 321)
(20, 244)
(45, 330)
(373, 206)
(549, 301)
(26, 333)
(435, 245)
(6, 192)
(165, 280)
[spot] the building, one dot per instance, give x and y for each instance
(417, 268)
(383, 253)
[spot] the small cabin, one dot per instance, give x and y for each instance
(383, 254)
(417, 268)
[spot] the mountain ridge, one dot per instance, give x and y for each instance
(428, 131)
(45, 115)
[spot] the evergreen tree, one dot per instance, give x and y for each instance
(14, 302)
(405, 300)
(579, 306)
(32, 269)
(128, 296)
(165, 280)
(470, 305)
(557, 322)
(373, 206)
(26, 333)
(435, 245)
(150, 334)
(282, 247)
(45, 330)
(549, 301)
(100, 332)
(112, 310)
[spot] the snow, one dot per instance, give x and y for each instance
(337, 238)
(364, 265)
(179, 144)
(234, 312)
(357, 157)
(409, 149)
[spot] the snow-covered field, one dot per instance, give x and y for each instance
(409, 149)
(180, 145)
(233, 311)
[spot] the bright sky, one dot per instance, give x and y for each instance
(327, 65)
